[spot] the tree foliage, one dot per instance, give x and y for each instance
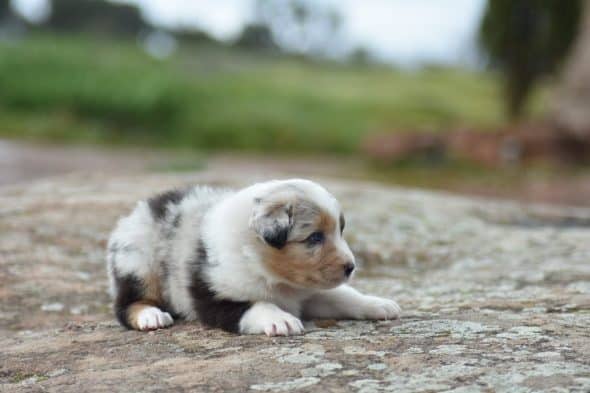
(256, 36)
(526, 39)
(95, 16)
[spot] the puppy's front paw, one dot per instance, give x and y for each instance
(283, 325)
(380, 308)
(271, 320)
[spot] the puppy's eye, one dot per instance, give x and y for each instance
(315, 238)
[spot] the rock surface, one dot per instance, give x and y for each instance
(496, 297)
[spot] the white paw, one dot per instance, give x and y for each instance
(380, 308)
(151, 318)
(269, 319)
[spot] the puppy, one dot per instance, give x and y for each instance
(254, 261)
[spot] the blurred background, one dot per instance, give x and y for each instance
(473, 96)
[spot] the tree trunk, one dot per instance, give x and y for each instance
(571, 109)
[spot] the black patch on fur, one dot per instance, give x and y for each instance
(273, 221)
(129, 291)
(276, 234)
(277, 237)
(159, 204)
(217, 313)
(342, 222)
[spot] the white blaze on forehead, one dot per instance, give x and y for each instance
(318, 195)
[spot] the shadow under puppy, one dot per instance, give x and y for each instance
(253, 261)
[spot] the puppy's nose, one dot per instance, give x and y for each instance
(348, 269)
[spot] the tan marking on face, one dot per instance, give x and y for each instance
(321, 266)
(134, 309)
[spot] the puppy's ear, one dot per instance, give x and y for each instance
(272, 220)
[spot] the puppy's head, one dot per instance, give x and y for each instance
(299, 226)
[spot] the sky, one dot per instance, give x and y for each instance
(401, 32)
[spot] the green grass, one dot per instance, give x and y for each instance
(77, 90)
